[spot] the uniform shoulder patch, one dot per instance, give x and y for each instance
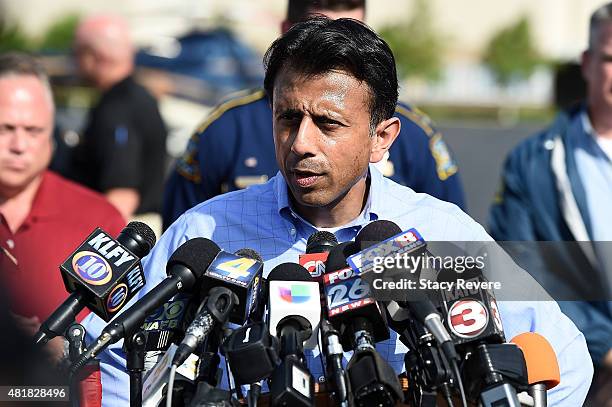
(445, 164)
(188, 165)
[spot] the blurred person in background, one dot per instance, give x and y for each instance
(557, 186)
(43, 217)
(234, 148)
(123, 151)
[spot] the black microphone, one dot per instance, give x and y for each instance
(294, 312)
(103, 274)
(386, 237)
(185, 267)
(318, 248)
(494, 370)
(361, 323)
(222, 296)
(321, 241)
(231, 278)
(349, 302)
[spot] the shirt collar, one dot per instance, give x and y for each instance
(371, 210)
(586, 123)
(44, 204)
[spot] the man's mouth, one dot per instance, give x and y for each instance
(306, 179)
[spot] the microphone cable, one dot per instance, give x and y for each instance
(170, 385)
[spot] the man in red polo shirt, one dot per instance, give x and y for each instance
(43, 217)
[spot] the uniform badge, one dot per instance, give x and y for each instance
(445, 165)
(187, 165)
(250, 162)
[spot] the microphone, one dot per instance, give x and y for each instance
(185, 267)
(542, 366)
(321, 241)
(359, 319)
(383, 238)
(252, 353)
(317, 248)
(231, 288)
(348, 299)
(102, 274)
(294, 311)
(221, 296)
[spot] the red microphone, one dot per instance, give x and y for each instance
(542, 365)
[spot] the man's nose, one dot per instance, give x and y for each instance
(304, 141)
(18, 141)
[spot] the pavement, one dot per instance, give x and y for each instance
(480, 150)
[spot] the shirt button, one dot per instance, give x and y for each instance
(10, 243)
(292, 231)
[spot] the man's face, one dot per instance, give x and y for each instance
(322, 137)
(597, 69)
(26, 121)
(86, 60)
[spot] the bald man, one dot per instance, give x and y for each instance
(122, 153)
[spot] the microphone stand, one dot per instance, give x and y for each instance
(75, 335)
(134, 347)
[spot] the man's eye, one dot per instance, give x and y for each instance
(289, 118)
(329, 124)
(35, 131)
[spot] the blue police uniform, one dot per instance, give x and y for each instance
(234, 148)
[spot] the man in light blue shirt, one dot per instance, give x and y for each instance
(333, 90)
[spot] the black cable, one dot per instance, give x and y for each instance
(253, 394)
(323, 366)
(447, 395)
(459, 382)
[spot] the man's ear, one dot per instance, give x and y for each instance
(285, 26)
(384, 136)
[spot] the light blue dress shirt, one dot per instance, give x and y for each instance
(261, 218)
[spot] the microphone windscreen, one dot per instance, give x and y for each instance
(540, 358)
(196, 254)
(375, 232)
(140, 238)
(289, 272)
(336, 259)
(320, 239)
(249, 254)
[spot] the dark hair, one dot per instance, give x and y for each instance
(299, 10)
(320, 45)
(599, 17)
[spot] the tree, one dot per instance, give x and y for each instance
(60, 35)
(511, 55)
(12, 38)
(416, 46)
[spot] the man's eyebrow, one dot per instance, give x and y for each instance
(329, 118)
(288, 111)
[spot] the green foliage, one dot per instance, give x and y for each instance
(12, 38)
(511, 55)
(415, 44)
(60, 35)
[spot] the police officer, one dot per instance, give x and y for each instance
(123, 150)
(233, 148)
